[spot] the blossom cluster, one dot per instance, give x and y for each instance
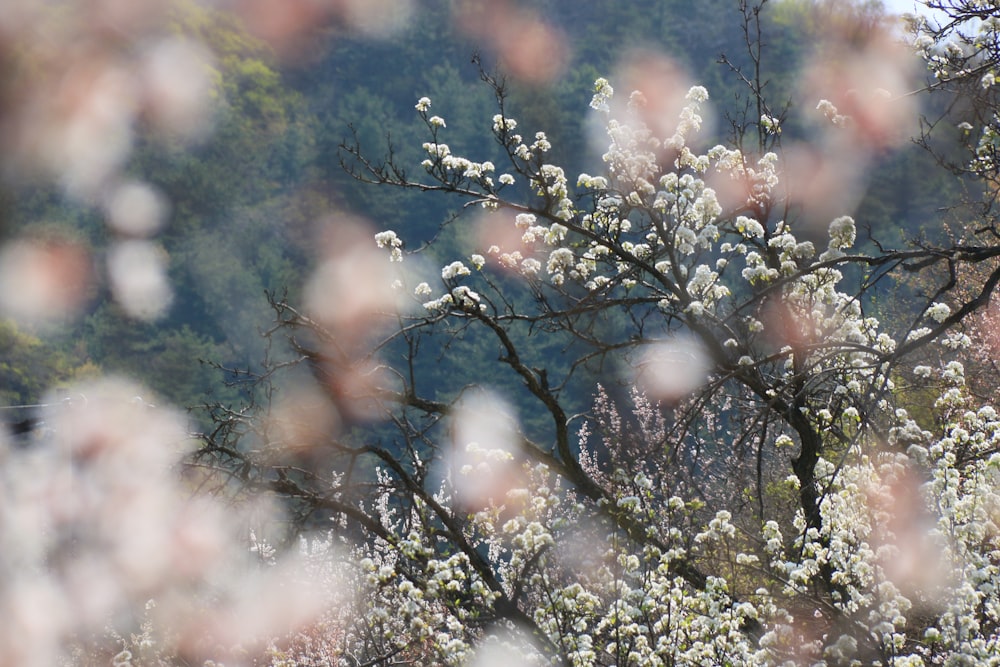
(693, 239)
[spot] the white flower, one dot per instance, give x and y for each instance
(465, 297)
(954, 372)
(423, 104)
(602, 95)
(524, 220)
(531, 267)
(560, 259)
(510, 259)
(506, 179)
(454, 270)
(555, 233)
(697, 94)
(437, 150)
(938, 312)
(827, 108)
(541, 143)
(695, 309)
(842, 232)
(478, 261)
(437, 121)
(770, 124)
(423, 289)
(749, 227)
(389, 239)
(956, 340)
(502, 123)
(439, 305)
(592, 182)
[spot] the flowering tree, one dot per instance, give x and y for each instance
(959, 44)
(757, 493)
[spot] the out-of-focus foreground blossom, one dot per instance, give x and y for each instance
(287, 25)
(856, 92)
(77, 98)
(527, 46)
(82, 82)
(353, 295)
(671, 369)
(484, 458)
(96, 521)
(44, 279)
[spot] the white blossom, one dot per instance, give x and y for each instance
(770, 124)
(938, 312)
(602, 95)
(454, 270)
(389, 239)
(828, 110)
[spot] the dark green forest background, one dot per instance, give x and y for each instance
(245, 201)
